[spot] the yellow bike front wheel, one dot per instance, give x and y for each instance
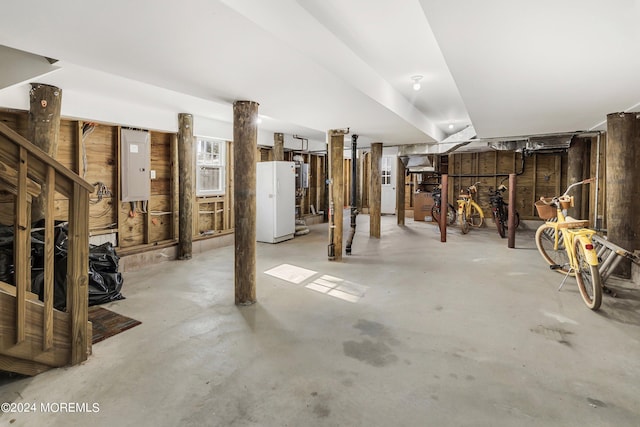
(554, 256)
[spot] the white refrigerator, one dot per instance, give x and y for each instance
(275, 201)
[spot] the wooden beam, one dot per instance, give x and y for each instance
(623, 176)
(21, 366)
(185, 177)
(336, 193)
(45, 102)
(375, 191)
(245, 143)
(575, 156)
(278, 147)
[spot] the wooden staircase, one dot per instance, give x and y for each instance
(33, 335)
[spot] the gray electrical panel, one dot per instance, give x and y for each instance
(135, 159)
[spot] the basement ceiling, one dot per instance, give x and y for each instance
(507, 68)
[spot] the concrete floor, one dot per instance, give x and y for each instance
(467, 333)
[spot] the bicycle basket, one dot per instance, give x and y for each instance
(545, 211)
(566, 202)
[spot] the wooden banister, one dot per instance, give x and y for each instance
(26, 170)
(39, 162)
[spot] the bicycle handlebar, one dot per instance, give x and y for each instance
(564, 196)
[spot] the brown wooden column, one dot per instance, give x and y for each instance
(245, 143)
(336, 192)
(575, 171)
(400, 187)
(622, 178)
(511, 233)
(45, 102)
(278, 147)
(375, 190)
(185, 179)
(444, 207)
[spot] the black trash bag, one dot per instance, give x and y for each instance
(104, 287)
(6, 266)
(103, 258)
(6, 254)
(59, 283)
(105, 282)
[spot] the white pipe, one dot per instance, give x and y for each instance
(595, 220)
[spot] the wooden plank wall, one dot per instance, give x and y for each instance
(142, 229)
(543, 175)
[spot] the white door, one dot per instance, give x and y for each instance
(388, 180)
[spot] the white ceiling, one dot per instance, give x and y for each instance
(508, 67)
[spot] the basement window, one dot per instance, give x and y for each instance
(386, 170)
(210, 170)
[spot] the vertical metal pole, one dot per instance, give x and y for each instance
(512, 211)
(444, 207)
(596, 225)
(354, 190)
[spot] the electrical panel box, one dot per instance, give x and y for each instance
(302, 175)
(135, 165)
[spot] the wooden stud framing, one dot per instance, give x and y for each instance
(175, 188)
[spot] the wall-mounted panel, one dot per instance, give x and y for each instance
(135, 165)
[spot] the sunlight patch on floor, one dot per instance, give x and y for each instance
(291, 273)
(338, 288)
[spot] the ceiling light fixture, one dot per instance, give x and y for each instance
(416, 82)
(451, 126)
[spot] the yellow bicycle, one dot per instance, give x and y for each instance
(566, 245)
(469, 212)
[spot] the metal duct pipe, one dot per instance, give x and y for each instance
(354, 190)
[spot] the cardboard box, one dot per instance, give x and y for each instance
(422, 204)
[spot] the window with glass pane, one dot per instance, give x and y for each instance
(210, 167)
(386, 171)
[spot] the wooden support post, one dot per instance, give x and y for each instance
(375, 192)
(245, 142)
(575, 156)
(278, 147)
(400, 187)
(511, 238)
(79, 149)
(77, 273)
(185, 177)
(444, 207)
(175, 188)
(45, 102)
(231, 184)
(622, 178)
(336, 193)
